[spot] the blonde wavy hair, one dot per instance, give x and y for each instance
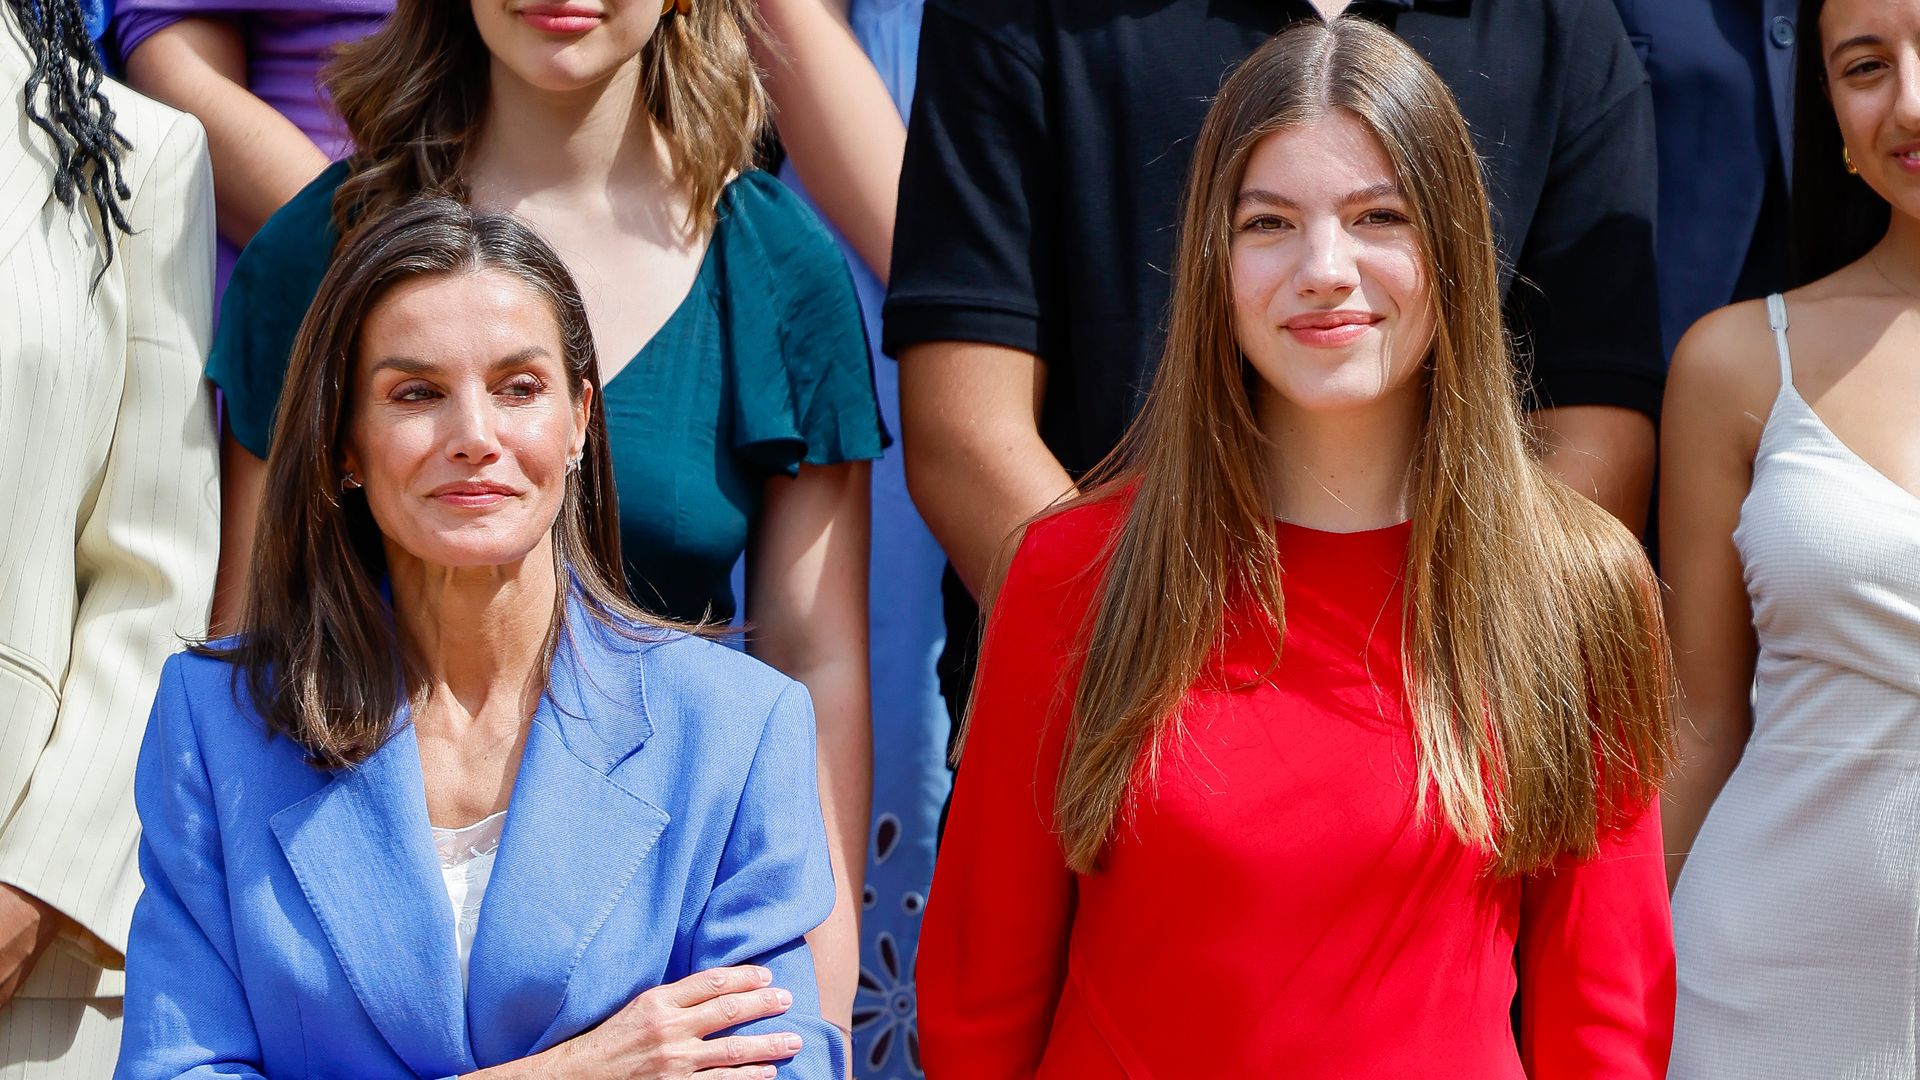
(1536, 659)
(414, 94)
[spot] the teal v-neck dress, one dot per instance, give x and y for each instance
(762, 368)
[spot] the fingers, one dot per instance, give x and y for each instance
(747, 1053)
(704, 986)
(731, 1009)
(744, 1072)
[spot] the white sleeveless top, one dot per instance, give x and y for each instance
(1797, 919)
(466, 865)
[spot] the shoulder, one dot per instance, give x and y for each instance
(304, 226)
(1728, 357)
(711, 685)
(1064, 552)
(203, 697)
(798, 251)
(165, 147)
(1009, 26)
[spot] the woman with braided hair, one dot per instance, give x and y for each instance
(109, 543)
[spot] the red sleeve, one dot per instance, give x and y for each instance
(993, 943)
(1596, 962)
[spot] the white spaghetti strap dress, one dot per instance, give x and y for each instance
(1797, 920)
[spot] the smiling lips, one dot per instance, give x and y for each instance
(1330, 329)
(476, 494)
(560, 18)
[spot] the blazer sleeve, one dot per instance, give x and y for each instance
(774, 884)
(186, 1014)
(144, 560)
(1596, 961)
(993, 946)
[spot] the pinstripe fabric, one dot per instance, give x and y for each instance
(109, 532)
(51, 1039)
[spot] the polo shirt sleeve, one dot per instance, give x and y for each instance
(273, 284)
(1584, 302)
(970, 260)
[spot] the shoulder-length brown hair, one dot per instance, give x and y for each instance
(317, 646)
(414, 94)
(1535, 655)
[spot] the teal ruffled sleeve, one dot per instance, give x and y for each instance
(272, 286)
(801, 370)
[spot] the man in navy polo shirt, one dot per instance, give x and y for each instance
(1045, 160)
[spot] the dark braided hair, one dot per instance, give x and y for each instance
(77, 116)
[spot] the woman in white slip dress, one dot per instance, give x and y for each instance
(1790, 515)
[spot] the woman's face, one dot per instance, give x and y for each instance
(1872, 62)
(1331, 303)
(461, 424)
(565, 45)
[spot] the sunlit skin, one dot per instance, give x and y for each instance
(462, 422)
(1331, 307)
(1873, 77)
(563, 46)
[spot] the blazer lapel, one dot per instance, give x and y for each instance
(26, 164)
(573, 842)
(363, 853)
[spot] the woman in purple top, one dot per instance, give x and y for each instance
(249, 71)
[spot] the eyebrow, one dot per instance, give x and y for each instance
(408, 365)
(1383, 190)
(1857, 39)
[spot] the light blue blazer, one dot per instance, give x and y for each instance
(665, 819)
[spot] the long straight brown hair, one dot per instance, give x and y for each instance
(1535, 658)
(414, 95)
(317, 646)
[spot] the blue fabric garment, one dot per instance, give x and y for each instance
(664, 819)
(910, 778)
(1722, 74)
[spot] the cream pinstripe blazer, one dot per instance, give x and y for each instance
(109, 506)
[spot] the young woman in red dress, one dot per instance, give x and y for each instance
(1193, 838)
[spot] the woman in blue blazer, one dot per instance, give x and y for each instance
(447, 699)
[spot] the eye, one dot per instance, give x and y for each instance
(1383, 216)
(522, 386)
(1863, 67)
(1264, 223)
(413, 392)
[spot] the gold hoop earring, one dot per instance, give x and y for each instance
(1846, 156)
(668, 7)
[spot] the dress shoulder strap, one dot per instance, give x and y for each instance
(1777, 319)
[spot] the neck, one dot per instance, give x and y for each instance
(1897, 255)
(588, 140)
(1340, 471)
(476, 631)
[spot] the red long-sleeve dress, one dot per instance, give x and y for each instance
(1276, 907)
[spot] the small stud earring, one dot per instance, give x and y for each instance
(348, 481)
(1846, 156)
(573, 464)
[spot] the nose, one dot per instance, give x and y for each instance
(472, 434)
(1906, 106)
(1327, 267)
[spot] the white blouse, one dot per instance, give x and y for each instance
(466, 863)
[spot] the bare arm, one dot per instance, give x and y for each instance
(807, 602)
(1712, 424)
(1605, 453)
(243, 480)
(976, 466)
(260, 159)
(836, 119)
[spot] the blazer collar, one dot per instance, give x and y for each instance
(26, 161)
(574, 839)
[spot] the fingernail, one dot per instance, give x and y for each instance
(765, 975)
(791, 1044)
(768, 1072)
(783, 997)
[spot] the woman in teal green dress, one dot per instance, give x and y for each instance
(741, 406)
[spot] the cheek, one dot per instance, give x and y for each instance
(1257, 272)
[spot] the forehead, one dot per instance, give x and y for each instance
(448, 317)
(1331, 155)
(1891, 20)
